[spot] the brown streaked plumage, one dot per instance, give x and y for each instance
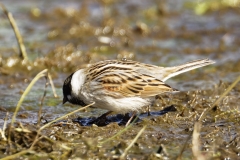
(122, 86)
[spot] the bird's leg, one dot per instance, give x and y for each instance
(100, 120)
(148, 110)
(148, 107)
(129, 121)
(104, 115)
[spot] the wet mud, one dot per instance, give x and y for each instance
(68, 35)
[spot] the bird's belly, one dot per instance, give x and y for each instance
(121, 105)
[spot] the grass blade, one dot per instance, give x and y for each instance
(35, 79)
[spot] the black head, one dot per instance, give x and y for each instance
(67, 88)
(67, 93)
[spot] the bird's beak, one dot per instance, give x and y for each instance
(64, 100)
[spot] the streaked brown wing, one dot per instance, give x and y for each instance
(130, 84)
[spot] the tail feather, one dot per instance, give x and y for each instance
(176, 70)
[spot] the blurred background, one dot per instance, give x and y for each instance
(63, 36)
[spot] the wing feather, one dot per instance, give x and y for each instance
(132, 83)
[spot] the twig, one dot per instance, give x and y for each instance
(46, 125)
(37, 138)
(48, 78)
(35, 79)
(22, 48)
(195, 142)
(179, 157)
(4, 127)
(39, 75)
(131, 144)
(17, 155)
(120, 132)
(202, 116)
(52, 85)
(41, 102)
(219, 99)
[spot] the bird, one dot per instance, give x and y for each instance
(122, 86)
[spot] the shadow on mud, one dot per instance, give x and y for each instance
(121, 119)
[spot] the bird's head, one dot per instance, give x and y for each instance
(71, 88)
(67, 89)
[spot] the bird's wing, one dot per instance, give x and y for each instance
(130, 83)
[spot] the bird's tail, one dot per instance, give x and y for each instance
(176, 70)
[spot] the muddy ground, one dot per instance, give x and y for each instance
(62, 36)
